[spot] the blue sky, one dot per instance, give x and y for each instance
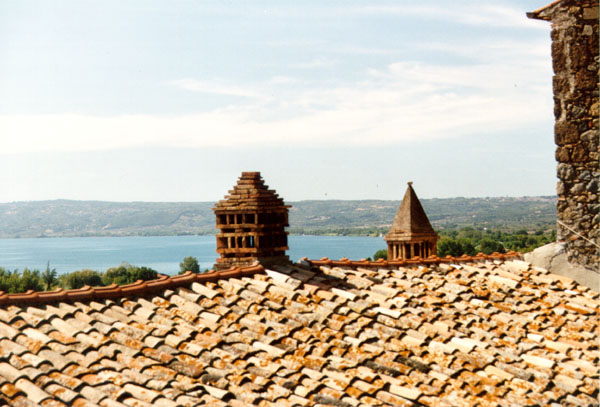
(170, 101)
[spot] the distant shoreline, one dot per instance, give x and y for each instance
(65, 218)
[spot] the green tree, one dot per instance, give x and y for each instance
(117, 275)
(448, 246)
(470, 241)
(49, 277)
(30, 280)
(142, 273)
(78, 279)
(10, 281)
(127, 274)
(380, 254)
(489, 246)
(466, 247)
(470, 233)
(189, 263)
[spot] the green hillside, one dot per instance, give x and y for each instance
(63, 218)
(376, 216)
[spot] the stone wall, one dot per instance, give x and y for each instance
(575, 62)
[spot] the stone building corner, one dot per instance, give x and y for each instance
(575, 62)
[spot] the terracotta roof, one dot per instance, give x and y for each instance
(411, 218)
(483, 330)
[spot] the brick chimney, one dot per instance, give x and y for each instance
(251, 222)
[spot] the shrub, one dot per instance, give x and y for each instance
(30, 280)
(143, 273)
(489, 246)
(15, 282)
(117, 275)
(49, 277)
(78, 279)
(380, 254)
(127, 274)
(189, 263)
(448, 246)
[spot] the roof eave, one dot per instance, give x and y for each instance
(541, 13)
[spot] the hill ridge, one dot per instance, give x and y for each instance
(74, 218)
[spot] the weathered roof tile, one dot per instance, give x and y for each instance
(350, 332)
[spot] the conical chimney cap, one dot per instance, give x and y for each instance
(411, 218)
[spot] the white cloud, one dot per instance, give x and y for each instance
(470, 12)
(358, 50)
(282, 80)
(475, 14)
(403, 103)
(508, 87)
(317, 63)
(214, 87)
(498, 51)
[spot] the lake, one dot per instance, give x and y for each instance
(162, 253)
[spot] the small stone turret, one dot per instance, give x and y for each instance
(411, 234)
(251, 222)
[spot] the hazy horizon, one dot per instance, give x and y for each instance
(160, 101)
(286, 200)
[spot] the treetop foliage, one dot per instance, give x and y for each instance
(127, 274)
(380, 254)
(189, 263)
(471, 241)
(18, 282)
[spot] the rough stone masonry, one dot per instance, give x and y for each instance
(575, 63)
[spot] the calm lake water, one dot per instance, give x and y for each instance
(162, 253)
